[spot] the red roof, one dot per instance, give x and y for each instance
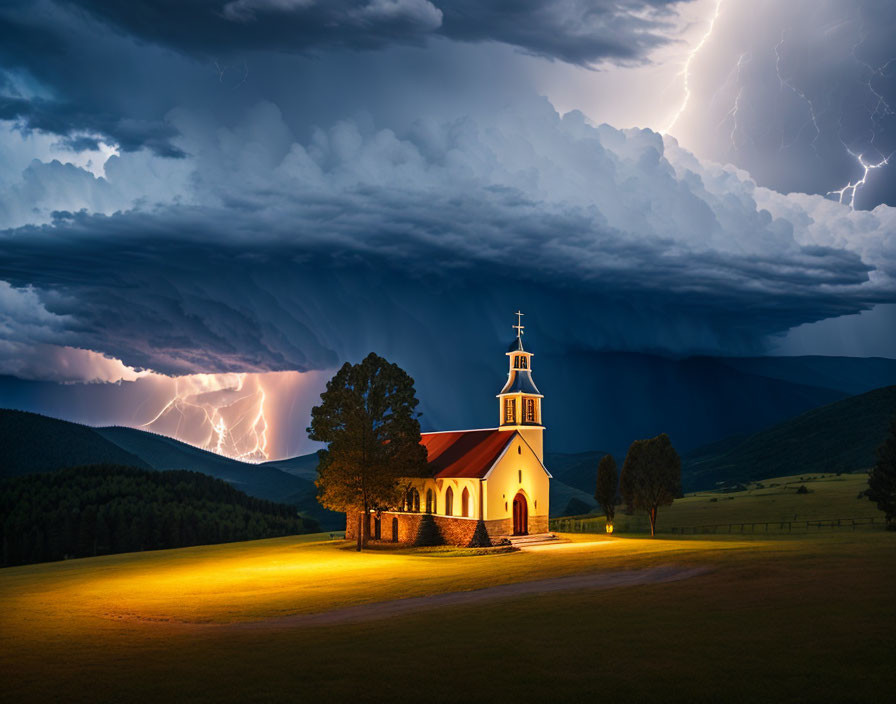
(464, 453)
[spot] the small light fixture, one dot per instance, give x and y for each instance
(609, 527)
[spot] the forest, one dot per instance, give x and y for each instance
(104, 509)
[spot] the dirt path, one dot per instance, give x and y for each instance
(397, 607)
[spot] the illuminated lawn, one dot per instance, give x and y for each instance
(799, 618)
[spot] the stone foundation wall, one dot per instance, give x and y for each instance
(454, 530)
(538, 524)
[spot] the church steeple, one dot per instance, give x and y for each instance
(520, 400)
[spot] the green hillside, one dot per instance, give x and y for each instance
(31, 443)
(839, 437)
(104, 509)
(785, 503)
(161, 452)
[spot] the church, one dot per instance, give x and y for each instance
(491, 478)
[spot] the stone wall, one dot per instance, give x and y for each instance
(454, 530)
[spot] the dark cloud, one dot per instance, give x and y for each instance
(86, 69)
(576, 31)
(304, 254)
(796, 93)
(579, 32)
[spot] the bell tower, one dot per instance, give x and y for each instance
(519, 402)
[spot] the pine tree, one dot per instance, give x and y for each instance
(428, 533)
(480, 537)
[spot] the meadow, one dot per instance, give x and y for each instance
(783, 618)
(776, 501)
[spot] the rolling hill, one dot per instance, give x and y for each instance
(838, 437)
(31, 443)
(304, 466)
(161, 452)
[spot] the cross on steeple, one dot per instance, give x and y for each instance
(519, 324)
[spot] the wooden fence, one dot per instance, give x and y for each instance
(585, 525)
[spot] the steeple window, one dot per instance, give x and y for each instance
(530, 410)
(509, 410)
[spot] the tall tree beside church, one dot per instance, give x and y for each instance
(651, 476)
(368, 419)
(882, 479)
(607, 486)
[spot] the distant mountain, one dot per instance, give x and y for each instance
(31, 443)
(609, 399)
(304, 466)
(838, 437)
(161, 452)
(578, 469)
(850, 375)
(593, 398)
(567, 500)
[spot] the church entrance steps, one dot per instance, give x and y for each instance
(523, 541)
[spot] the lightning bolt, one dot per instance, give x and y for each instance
(786, 82)
(686, 69)
(847, 194)
(217, 413)
(732, 113)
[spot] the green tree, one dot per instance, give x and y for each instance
(882, 479)
(368, 419)
(651, 476)
(607, 485)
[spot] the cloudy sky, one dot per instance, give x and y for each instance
(257, 190)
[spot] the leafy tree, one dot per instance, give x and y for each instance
(651, 476)
(368, 420)
(607, 486)
(882, 479)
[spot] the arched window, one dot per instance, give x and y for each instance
(430, 501)
(465, 503)
(415, 501)
(449, 502)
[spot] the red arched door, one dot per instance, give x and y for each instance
(520, 515)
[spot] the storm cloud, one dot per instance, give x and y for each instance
(296, 255)
(59, 75)
(291, 183)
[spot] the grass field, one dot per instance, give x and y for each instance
(830, 496)
(794, 618)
